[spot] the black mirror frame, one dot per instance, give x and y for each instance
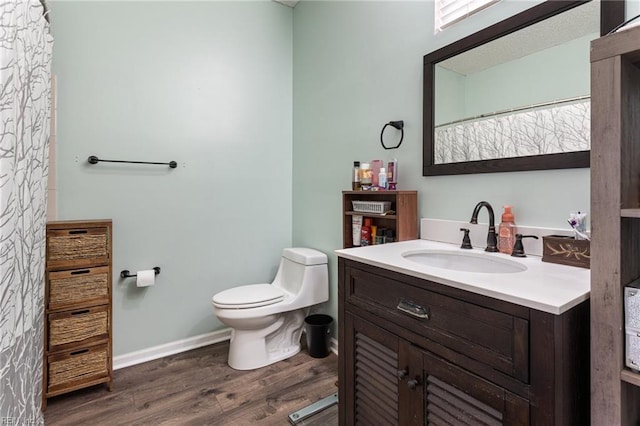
(612, 13)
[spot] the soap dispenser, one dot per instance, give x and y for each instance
(506, 232)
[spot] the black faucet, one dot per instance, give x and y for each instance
(518, 248)
(466, 241)
(492, 241)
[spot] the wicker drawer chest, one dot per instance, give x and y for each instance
(78, 313)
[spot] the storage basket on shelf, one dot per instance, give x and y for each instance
(371, 206)
(69, 368)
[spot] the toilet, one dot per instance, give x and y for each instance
(267, 319)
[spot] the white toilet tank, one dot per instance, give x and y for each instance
(303, 272)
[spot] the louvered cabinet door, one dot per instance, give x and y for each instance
(377, 363)
(454, 396)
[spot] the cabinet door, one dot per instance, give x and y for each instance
(378, 366)
(453, 395)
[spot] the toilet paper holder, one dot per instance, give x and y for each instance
(125, 273)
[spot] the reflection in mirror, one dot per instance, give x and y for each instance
(517, 102)
(523, 94)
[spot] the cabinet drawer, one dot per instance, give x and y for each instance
(77, 368)
(78, 247)
(67, 289)
(495, 338)
(80, 326)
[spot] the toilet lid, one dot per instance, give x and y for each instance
(248, 296)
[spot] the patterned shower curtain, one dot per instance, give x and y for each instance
(25, 75)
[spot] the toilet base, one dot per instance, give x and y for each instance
(251, 349)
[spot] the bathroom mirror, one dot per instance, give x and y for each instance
(515, 96)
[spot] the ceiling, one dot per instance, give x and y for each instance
(290, 3)
(574, 23)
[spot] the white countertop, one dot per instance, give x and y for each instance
(544, 286)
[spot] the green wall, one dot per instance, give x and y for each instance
(265, 108)
(209, 85)
(358, 65)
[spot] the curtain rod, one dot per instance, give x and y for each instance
(517, 109)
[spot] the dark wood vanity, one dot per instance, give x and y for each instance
(415, 352)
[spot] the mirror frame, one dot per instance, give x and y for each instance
(612, 13)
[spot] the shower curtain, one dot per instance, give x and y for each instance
(25, 75)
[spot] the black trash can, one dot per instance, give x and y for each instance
(318, 330)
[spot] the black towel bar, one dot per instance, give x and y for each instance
(95, 160)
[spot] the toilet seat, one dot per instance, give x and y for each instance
(248, 296)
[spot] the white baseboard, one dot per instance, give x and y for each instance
(184, 345)
(334, 346)
(171, 348)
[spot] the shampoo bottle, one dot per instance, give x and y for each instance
(375, 171)
(392, 174)
(355, 179)
(365, 175)
(506, 232)
(382, 178)
(365, 235)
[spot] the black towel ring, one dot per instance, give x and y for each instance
(398, 125)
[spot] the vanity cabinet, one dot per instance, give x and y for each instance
(415, 352)
(78, 315)
(403, 222)
(615, 220)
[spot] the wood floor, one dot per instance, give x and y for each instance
(199, 388)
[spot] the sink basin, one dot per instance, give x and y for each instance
(465, 262)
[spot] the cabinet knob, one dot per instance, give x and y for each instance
(402, 374)
(412, 384)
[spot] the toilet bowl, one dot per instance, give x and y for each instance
(266, 320)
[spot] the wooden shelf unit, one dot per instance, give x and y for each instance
(77, 307)
(630, 213)
(629, 376)
(404, 221)
(615, 221)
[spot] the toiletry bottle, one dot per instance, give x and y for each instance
(374, 232)
(390, 237)
(375, 171)
(365, 175)
(365, 236)
(506, 232)
(355, 179)
(382, 178)
(356, 229)
(392, 174)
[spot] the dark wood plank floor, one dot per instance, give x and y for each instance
(199, 388)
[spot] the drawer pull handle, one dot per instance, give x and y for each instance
(79, 352)
(84, 311)
(84, 271)
(413, 309)
(78, 231)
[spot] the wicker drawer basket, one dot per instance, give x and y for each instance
(82, 286)
(86, 325)
(77, 247)
(77, 366)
